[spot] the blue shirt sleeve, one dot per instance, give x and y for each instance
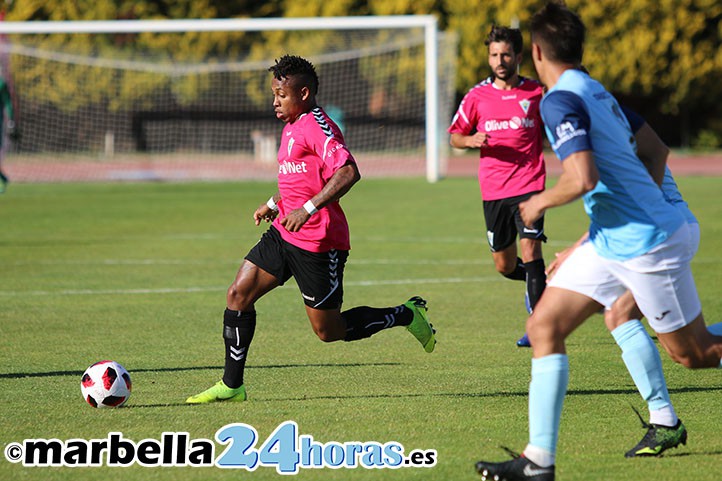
(635, 120)
(567, 123)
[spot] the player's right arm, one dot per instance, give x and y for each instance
(580, 175)
(474, 141)
(463, 129)
(267, 211)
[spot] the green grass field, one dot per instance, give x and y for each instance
(138, 272)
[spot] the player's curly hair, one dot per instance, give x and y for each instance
(292, 66)
(506, 35)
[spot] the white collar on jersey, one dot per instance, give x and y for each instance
(521, 82)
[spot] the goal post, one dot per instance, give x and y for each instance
(436, 90)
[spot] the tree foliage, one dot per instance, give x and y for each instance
(665, 50)
(115, 86)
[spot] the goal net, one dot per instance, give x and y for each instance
(135, 100)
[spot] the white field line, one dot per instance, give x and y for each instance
(480, 240)
(196, 262)
(481, 261)
(252, 238)
(186, 290)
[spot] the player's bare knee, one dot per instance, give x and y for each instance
(503, 266)
(505, 269)
(537, 336)
(613, 319)
(233, 294)
(540, 332)
(327, 335)
(238, 298)
(690, 360)
(687, 362)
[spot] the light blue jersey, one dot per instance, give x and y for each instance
(628, 212)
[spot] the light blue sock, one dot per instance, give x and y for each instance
(549, 380)
(643, 363)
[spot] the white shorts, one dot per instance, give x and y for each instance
(660, 280)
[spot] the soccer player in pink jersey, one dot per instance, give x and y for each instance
(500, 116)
(308, 238)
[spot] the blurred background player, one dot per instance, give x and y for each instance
(500, 117)
(8, 129)
(309, 237)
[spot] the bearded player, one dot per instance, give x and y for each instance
(500, 117)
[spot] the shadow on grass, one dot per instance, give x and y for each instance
(460, 395)
(500, 394)
(20, 375)
(320, 397)
(685, 454)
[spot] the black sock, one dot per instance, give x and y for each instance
(536, 280)
(363, 322)
(519, 273)
(238, 329)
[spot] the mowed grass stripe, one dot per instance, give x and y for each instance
(150, 264)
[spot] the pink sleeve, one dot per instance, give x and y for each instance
(464, 121)
(334, 154)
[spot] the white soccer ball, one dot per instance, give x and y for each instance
(106, 384)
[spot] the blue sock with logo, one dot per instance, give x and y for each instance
(548, 386)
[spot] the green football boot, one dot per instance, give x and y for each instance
(219, 392)
(658, 439)
(420, 326)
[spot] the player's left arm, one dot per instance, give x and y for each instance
(651, 150)
(337, 186)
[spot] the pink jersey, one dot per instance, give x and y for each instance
(312, 150)
(513, 162)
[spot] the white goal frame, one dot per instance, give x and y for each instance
(427, 22)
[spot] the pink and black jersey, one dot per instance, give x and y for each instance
(513, 162)
(312, 150)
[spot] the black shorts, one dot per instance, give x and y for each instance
(319, 275)
(503, 223)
